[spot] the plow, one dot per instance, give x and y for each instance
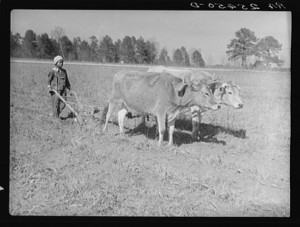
(81, 109)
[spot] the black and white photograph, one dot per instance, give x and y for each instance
(150, 113)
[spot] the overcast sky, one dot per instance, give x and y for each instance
(209, 31)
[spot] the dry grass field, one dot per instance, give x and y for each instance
(239, 168)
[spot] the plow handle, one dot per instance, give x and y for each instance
(62, 99)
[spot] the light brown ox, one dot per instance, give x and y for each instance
(159, 94)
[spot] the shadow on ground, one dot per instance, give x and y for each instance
(207, 132)
(70, 115)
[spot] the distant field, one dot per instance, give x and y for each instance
(240, 167)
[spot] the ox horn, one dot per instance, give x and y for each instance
(186, 78)
(235, 85)
(224, 84)
(212, 81)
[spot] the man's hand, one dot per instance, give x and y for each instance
(49, 88)
(69, 91)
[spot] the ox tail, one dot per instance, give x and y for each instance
(103, 115)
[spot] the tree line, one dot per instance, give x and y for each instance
(127, 50)
(134, 50)
(246, 44)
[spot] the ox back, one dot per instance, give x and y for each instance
(142, 92)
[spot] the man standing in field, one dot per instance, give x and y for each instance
(58, 80)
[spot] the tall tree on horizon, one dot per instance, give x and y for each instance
(178, 58)
(118, 45)
(15, 44)
(57, 33)
(45, 46)
(163, 57)
(127, 50)
(186, 59)
(29, 45)
(267, 50)
(197, 59)
(141, 51)
(94, 49)
(107, 49)
(84, 51)
(151, 51)
(242, 46)
(76, 47)
(68, 48)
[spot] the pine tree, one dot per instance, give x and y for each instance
(186, 59)
(127, 50)
(178, 58)
(197, 59)
(141, 51)
(15, 45)
(151, 51)
(94, 48)
(163, 57)
(45, 46)
(107, 49)
(29, 46)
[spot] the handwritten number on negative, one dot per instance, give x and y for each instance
(252, 6)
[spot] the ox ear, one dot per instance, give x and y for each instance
(213, 85)
(180, 88)
(221, 89)
(212, 82)
(238, 87)
(224, 85)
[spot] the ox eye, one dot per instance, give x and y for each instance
(230, 92)
(206, 94)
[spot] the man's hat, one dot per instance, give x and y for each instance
(57, 58)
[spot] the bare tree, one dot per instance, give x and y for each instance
(210, 60)
(57, 33)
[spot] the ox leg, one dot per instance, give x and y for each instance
(161, 128)
(196, 118)
(111, 108)
(143, 120)
(171, 131)
(121, 116)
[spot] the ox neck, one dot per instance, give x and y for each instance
(187, 99)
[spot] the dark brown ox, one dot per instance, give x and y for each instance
(158, 94)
